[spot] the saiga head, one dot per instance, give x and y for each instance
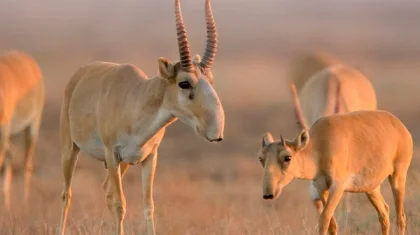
(190, 95)
(278, 159)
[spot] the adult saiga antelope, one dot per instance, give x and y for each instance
(351, 152)
(21, 106)
(118, 115)
(335, 89)
(307, 64)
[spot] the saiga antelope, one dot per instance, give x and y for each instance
(335, 89)
(21, 107)
(118, 115)
(351, 152)
(306, 65)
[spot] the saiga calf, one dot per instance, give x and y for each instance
(351, 152)
(335, 89)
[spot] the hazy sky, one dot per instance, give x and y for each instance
(242, 25)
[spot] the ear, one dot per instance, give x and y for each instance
(282, 142)
(267, 139)
(302, 140)
(166, 69)
(197, 58)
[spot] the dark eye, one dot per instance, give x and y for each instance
(184, 85)
(287, 158)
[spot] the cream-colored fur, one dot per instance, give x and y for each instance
(21, 106)
(116, 114)
(335, 89)
(352, 152)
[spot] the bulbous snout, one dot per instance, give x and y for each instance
(210, 115)
(272, 192)
(214, 123)
(214, 133)
(211, 134)
(217, 140)
(271, 187)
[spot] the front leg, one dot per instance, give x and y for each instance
(107, 186)
(7, 177)
(334, 195)
(7, 172)
(332, 228)
(118, 203)
(316, 197)
(148, 168)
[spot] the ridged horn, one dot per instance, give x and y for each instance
(183, 45)
(211, 44)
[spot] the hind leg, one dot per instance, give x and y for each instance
(377, 200)
(69, 159)
(31, 135)
(397, 181)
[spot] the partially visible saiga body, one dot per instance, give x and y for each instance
(352, 152)
(333, 90)
(305, 65)
(21, 106)
(116, 114)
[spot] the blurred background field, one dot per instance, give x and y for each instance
(204, 188)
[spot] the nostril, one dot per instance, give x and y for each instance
(216, 140)
(270, 196)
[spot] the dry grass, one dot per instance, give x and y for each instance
(200, 188)
(204, 188)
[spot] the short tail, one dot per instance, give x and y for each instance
(298, 110)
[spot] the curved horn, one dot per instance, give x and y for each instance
(211, 44)
(183, 45)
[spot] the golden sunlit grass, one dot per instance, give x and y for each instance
(223, 197)
(204, 188)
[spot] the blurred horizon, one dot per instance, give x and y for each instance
(129, 27)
